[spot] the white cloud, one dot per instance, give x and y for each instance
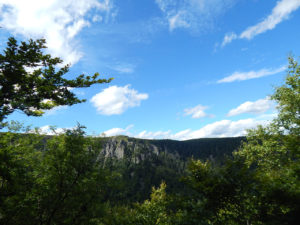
(57, 21)
(123, 67)
(280, 12)
(258, 107)
(182, 135)
(144, 134)
(97, 18)
(115, 100)
(153, 135)
(196, 112)
(51, 130)
(229, 38)
(179, 20)
(225, 128)
(117, 131)
(192, 14)
(239, 76)
(55, 110)
(222, 128)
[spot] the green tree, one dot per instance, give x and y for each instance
(260, 184)
(154, 211)
(51, 180)
(31, 81)
(158, 210)
(46, 180)
(274, 152)
(220, 194)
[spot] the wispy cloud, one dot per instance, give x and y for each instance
(280, 12)
(192, 14)
(123, 67)
(240, 76)
(197, 112)
(180, 19)
(57, 21)
(229, 38)
(258, 107)
(115, 100)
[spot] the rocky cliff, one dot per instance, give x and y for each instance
(136, 150)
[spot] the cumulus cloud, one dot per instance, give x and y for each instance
(115, 100)
(258, 107)
(117, 131)
(222, 128)
(240, 76)
(225, 128)
(56, 21)
(197, 112)
(280, 12)
(192, 14)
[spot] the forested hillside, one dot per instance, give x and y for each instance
(143, 163)
(134, 149)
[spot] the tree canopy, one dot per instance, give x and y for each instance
(32, 81)
(51, 180)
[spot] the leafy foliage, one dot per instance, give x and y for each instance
(261, 183)
(30, 81)
(60, 183)
(156, 211)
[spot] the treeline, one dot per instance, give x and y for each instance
(203, 148)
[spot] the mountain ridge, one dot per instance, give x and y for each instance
(120, 146)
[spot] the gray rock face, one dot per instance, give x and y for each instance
(131, 150)
(136, 150)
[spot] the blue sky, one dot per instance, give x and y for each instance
(182, 69)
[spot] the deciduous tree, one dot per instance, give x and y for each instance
(261, 183)
(32, 81)
(51, 180)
